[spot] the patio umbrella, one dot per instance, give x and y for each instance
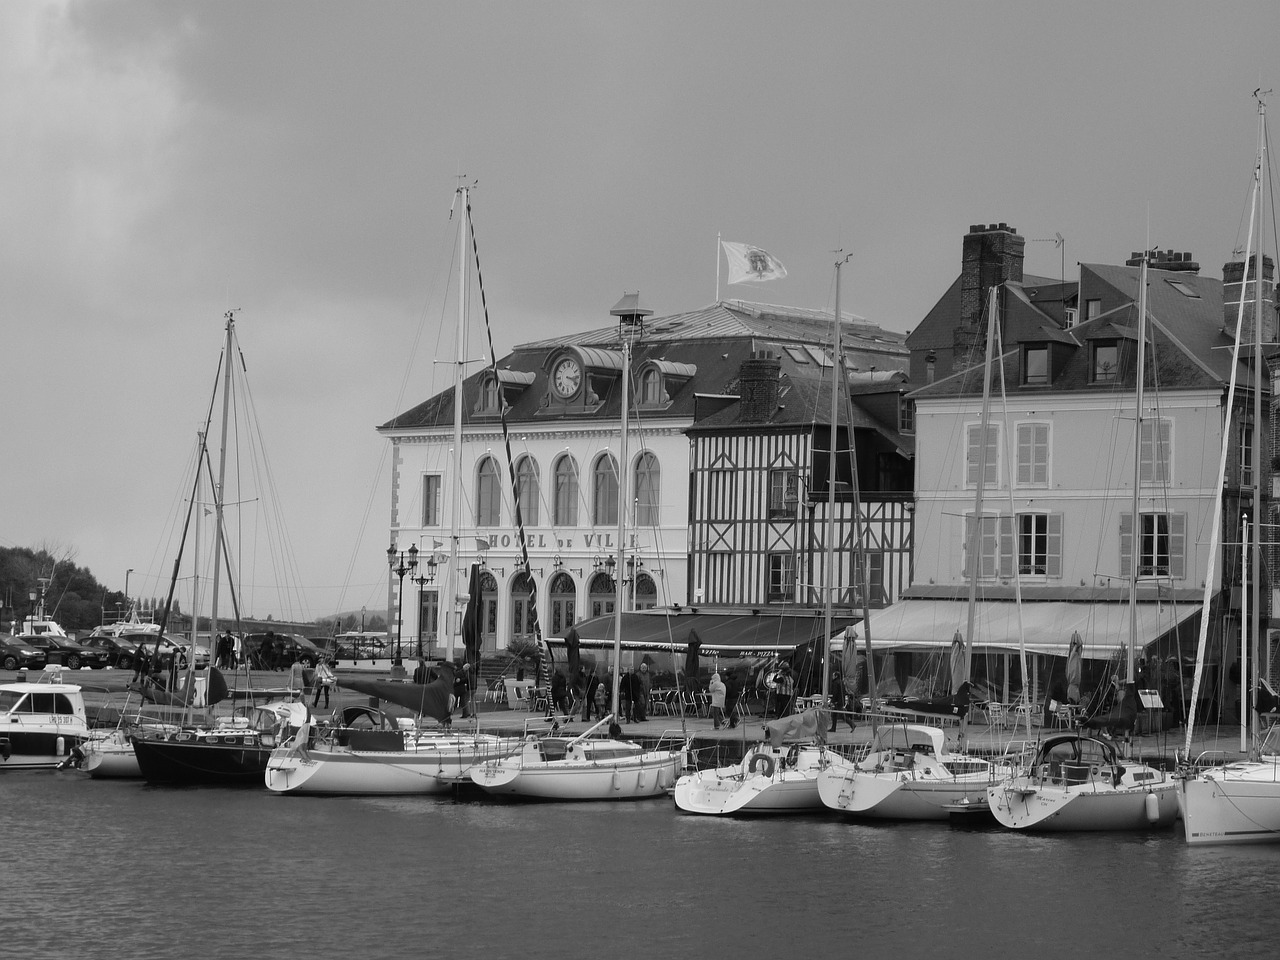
(1075, 651)
(691, 657)
(959, 662)
(471, 638)
(571, 641)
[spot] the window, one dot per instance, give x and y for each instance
(645, 593)
(819, 356)
(651, 388)
(796, 354)
(1162, 545)
(602, 594)
(1183, 289)
(562, 591)
(431, 500)
(988, 547)
(719, 494)
(565, 506)
(488, 494)
(1039, 544)
(647, 483)
(973, 458)
(1033, 455)
(1154, 453)
(1246, 455)
(524, 618)
(527, 489)
(1072, 314)
(876, 596)
(783, 487)
(782, 577)
(1092, 309)
(1035, 366)
(428, 617)
(1106, 362)
(906, 415)
(488, 401)
(605, 505)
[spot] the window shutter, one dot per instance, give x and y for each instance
(1006, 546)
(966, 548)
(1126, 543)
(1053, 550)
(1178, 546)
(1040, 453)
(1025, 446)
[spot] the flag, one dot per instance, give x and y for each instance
(748, 263)
(482, 543)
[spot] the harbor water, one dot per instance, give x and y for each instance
(120, 869)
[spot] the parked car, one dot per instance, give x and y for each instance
(123, 648)
(282, 652)
(14, 654)
(68, 652)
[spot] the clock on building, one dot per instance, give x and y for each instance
(566, 377)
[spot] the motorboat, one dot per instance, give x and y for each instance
(41, 721)
(1080, 782)
(908, 774)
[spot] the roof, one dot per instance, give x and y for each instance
(723, 632)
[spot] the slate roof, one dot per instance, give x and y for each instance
(714, 339)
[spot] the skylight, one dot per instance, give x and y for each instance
(819, 357)
(796, 354)
(1183, 289)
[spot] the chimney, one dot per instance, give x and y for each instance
(1234, 285)
(991, 255)
(630, 315)
(758, 385)
(1164, 260)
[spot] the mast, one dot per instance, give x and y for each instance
(828, 568)
(218, 497)
(1259, 371)
(627, 331)
(450, 581)
(1136, 524)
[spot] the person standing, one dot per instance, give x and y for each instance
(560, 693)
(589, 701)
(644, 684)
(717, 690)
(732, 694)
(324, 681)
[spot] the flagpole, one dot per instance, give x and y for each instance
(717, 300)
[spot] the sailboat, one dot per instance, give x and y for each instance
(587, 766)
(1238, 803)
(226, 750)
(1079, 781)
(781, 775)
(909, 771)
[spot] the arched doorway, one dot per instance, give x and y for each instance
(488, 611)
(602, 594)
(564, 594)
(523, 613)
(646, 595)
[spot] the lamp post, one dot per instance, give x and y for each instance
(401, 562)
(421, 581)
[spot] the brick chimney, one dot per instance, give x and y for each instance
(991, 255)
(1233, 286)
(1164, 260)
(758, 385)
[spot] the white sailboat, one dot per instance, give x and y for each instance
(587, 767)
(1238, 803)
(1077, 781)
(909, 772)
(781, 775)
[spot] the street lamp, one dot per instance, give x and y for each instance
(401, 562)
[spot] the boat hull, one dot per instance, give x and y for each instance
(1236, 804)
(238, 760)
(641, 777)
(893, 796)
(109, 758)
(423, 768)
(1024, 803)
(37, 749)
(710, 794)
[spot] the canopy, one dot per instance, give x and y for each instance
(1048, 625)
(721, 634)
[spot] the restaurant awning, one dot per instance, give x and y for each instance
(741, 632)
(928, 625)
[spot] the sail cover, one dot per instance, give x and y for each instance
(429, 699)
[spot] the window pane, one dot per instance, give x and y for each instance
(605, 507)
(566, 494)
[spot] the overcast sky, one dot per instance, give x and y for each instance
(166, 161)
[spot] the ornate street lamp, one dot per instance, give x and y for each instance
(401, 562)
(421, 581)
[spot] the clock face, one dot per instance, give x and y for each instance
(567, 377)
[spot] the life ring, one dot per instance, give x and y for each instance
(762, 763)
(793, 755)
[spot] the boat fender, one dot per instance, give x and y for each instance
(5, 750)
(1153, 808)
(62, 746)
(762, 763)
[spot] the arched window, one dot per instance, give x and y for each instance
(650, 388)
(646, 592)
(527, 489)
(605, 506)
(488, 494)
(603, 593)
(563, 593)
(524, 619)
(488, 396)
(648, 477)
(488, 610)
(566, 492)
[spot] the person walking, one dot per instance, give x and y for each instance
(325, 678)
(717, 690)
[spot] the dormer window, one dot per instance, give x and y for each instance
(658, 380)
(1035, 365)
(906, 415)
(650, 388)
(1105, 365)
(504, 388)
(488, 396)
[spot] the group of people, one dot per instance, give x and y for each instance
(594, 691)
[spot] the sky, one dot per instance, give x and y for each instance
(165, 162)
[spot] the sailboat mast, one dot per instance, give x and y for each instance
(1136, 524)
(622, 517)
(976, 531)
(828, 568)
(450, 582)
(1259, 371)
(218, 497)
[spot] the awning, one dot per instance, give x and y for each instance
(718, 633)
(928, 625)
